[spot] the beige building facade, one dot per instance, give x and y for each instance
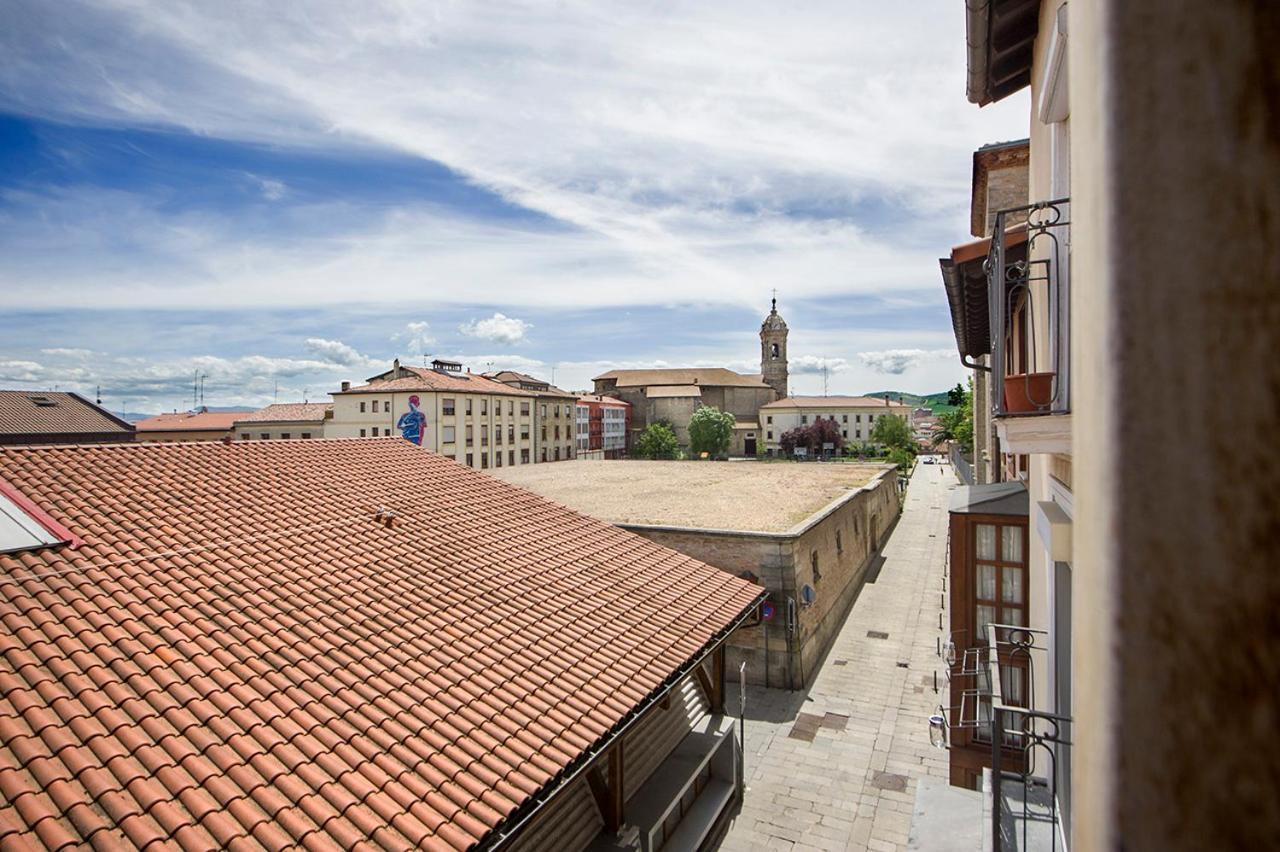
(854, 415)
(472, 419)
(284, 421)
(555, 435)
(1151, 298)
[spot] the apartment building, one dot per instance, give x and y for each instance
(284, 421)
(555, 423)
(474, 420)
(1130, 324)
(855, 415)
(57, 417)
(608, 424)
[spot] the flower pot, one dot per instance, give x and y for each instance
(1027, 393)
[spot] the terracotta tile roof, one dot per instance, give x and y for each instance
(714, 376)
(421, 379)
(40, 413)
(514, 379)
(242, 655)
(192, 421)
(593, 399)
(834, 402)
(288, 412)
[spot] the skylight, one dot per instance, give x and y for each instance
(19, 527)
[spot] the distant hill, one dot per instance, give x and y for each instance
(936, 401)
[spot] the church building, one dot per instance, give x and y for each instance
(674, 394)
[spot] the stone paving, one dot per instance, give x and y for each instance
(836, 767)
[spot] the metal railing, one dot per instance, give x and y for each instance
(1036, 281)
(961, 465)
(1025, 801)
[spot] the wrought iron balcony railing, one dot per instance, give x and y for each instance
(1029, 304)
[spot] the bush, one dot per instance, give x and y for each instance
(892, 431)
(902, 458)
(657, 441)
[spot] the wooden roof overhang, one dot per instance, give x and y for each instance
(1001, 37)
(968, 294)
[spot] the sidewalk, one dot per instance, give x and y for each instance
(837, 767)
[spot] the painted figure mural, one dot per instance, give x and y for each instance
(413, 423)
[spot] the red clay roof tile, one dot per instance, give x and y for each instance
(239, 653)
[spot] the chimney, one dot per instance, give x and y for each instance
(395, 369)
(346, 386)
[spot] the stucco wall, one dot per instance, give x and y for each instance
(783, 564)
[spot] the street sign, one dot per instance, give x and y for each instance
(766, 611)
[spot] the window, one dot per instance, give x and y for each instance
(1000, 576)
(557, 454)
(362, 433)
(386, 407)
(769, 419)
(813, 563)
(804, 418)
(468, 405)
(857, 418)
(446, 407)
(769, 435)
(449, 435)
(524, 431)
(511, 408)
(511, 457)
(544, 431)
(511, 433)
(306, 434)
(362, 408)
(470, 438)
(544, 453)
(484, 407)
(524, 409)
(544, 409)
(265, 436)
(557, 431)
(471, 462)
(286, 435)
(484, 437)
(497, 434)
(844, 418)
(844, 433)
(524, 457)
(484, 461)
(497, 459)
(375, 431)
(244, 436)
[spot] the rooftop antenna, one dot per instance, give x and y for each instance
(98, 394)
(824, 376)
(275, 396)
(203, 376)
(195, 390)
(306, 396)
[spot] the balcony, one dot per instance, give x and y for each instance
(1009, 296)
(1028, 303)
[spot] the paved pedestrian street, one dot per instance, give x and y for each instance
(836, 767)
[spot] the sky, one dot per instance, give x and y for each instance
(277, 197)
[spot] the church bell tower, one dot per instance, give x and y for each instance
(773, 351)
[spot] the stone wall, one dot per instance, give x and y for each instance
(844, 536)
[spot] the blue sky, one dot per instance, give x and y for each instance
(283, 200)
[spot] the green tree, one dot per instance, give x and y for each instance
(901, 457)
(657, 441)
(892, 431)
(957, 424)
(955, 396)
(710, 431)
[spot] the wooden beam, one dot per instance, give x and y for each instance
(717, 680)
(599, 788)
(614, 817)
(704, 680)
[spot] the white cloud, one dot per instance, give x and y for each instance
(21, 371)
(898, 361)
(415, 336)
(337, 352)
(706, 154)
(498, 328)
(813, 365)
(67, 353)
(271, 189)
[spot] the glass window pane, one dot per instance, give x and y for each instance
(1012, 686)
(1014, 616)
(986, 541)
(1011, 586)
(1011, 544)
(986, 582)
(985, 615)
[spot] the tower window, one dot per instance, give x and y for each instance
(773, 351)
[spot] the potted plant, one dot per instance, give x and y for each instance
(1026, 393)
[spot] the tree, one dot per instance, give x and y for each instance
(955, 396)
(710, 431)
(812, 437)
(657, 441)
(893, 432)
(957, 424)
(901, 457)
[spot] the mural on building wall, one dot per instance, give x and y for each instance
(413, 423)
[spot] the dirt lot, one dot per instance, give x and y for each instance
(770, 497)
